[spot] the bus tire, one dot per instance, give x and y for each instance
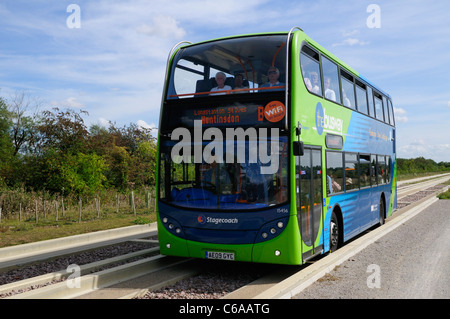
(382, 211)
(335, 231)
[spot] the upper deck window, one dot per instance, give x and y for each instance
(310, 64)
(233, 66)
(348, 90)
(378, 106)
(331, 81)
(361, 97)
(391, 113)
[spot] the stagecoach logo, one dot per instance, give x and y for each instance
(326, 122)
(202, 219)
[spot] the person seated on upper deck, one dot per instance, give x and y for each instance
(329, 93)
(220, 79)
(274, 74)
(239, 84)
(315, 83)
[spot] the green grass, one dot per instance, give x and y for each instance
(15, 232)
(445, 195)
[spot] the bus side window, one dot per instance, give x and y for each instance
(364, 169)
(386, 112)
(351, 171)
(373, 169)
(335, 173)
(391, 113)
(331, 80)
(348, 90)
(388, 169)
(310, 67)
(378, 107)
(370, 98)
(381, 170)
(361, 97)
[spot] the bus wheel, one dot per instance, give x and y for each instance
(334, 233)
(381, 218)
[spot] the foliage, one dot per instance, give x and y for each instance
(444, 195)
(6, 147)
(55, 151)
(420, 165)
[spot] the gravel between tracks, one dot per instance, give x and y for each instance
(209, 285)
(61, 263)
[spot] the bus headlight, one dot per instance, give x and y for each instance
(272, 229)
(173, 226)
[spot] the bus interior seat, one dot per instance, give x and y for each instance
(230, 81)
(203, 86)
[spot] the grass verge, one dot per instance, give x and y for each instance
(14, 232)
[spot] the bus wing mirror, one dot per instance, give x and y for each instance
(298, 148)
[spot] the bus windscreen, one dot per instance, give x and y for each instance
(233, 66)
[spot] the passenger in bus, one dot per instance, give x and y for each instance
(346, 99)
(306, 80)
(329, 93)
(315, 83)
(274, 74)
(239, 84)
(220, 79)
(333, 186)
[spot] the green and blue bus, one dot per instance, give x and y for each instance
(270, 150)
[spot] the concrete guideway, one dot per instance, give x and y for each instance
(412, 186)
(22, 254)
(294, 284)
(420, 179)
(91, 283)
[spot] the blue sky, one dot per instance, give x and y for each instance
(113, 65)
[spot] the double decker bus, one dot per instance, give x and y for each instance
(270, 150)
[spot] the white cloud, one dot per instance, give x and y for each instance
(400, 115)
(448, 104)
(104, 122)
(420, 148)
(351, 42)
(163, 26)
(152, 126)
(351, 33)
(144, 124)
(70, 102)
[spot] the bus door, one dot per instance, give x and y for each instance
(309, 200)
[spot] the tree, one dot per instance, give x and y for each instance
(62, 130)
(23, 126)
(6, 147)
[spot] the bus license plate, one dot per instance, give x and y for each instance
(219, 255)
